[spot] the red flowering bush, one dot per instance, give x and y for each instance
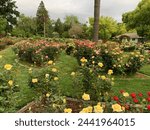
(134, 102)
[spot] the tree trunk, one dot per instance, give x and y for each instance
(96, 20)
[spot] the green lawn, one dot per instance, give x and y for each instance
(145, 70)
(65, 64)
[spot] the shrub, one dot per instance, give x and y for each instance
(134, 62)
(94, 81)
(46, 84)
(37, 52)
(7, 88)
(128, 46)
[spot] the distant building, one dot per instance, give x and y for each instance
(129, 37)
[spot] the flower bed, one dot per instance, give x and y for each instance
(37, 52)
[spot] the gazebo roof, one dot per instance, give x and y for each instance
(129, 35)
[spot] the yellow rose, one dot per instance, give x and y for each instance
(56, 78)
(110, 72)
(8, 66)
(90, 109)
(48, 95)
(67, 110)
(100, 64)
(50, 62)
(10, 82)
(83, 60)
(86, 97)
(116, 108)
(34, 80)
(54, 70)
(1, 56)
(84, 110)
(125, 94)
(98, 109)
(93, 62)
(73, 73)
(103, 77)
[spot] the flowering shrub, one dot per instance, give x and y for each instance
(134, 62)
(128, 46)
(124, 103)
(7, 88)
(112, 57)
(84, 49)
(46, 83)
(133, 102)
(147, 46)
(37, 52)
(93, 80)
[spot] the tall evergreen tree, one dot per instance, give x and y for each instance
(42, 19)
(8, 10)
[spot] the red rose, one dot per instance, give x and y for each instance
(122, 91)
(148, 99)
(116, 98)
(148, 107)
(135, 100)
(140, 95)
(133, 95)
(148, 93)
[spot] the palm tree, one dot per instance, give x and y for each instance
(96, 20)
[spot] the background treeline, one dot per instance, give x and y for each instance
(70, 27)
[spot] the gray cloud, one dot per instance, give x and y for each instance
(81, 8)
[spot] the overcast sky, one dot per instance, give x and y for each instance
(81, 8)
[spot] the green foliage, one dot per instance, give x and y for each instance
(138, 19)
(26, 27)
(93, 83)
(3, 24)
(42, 19)
(75, 31)
(59, 28)
(83, 51)
(7, 89)
(108, 27)
(134, 63)
(70, 21)
(8, 10)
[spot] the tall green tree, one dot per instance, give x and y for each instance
(8, 10)
(26, 26)
(96, 20)
(42, 18)
(70, 21)
(139, 19)
(59, 28)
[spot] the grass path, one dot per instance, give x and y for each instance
(66, 64)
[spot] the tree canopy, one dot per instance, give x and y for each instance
(8, 10)
(108, 27)
(139, 19)
(42, 18)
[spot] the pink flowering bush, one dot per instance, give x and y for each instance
(37, 52)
